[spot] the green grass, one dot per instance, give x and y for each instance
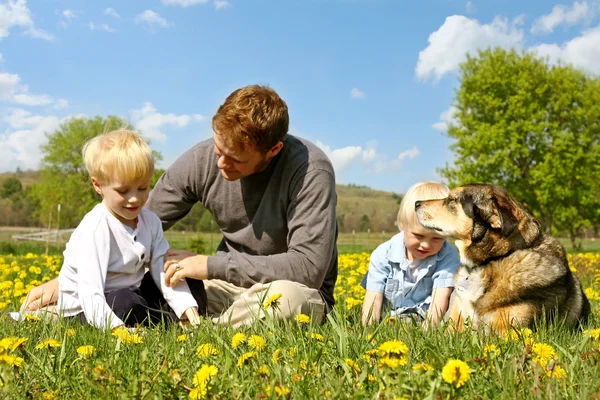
(162, 367)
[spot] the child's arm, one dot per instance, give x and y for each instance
(374, 283)
(443, 285)
(179, 297)
(371, 311)
(438, 307)
(91, 261)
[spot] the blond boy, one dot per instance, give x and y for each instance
(412, 273)
(103, 280)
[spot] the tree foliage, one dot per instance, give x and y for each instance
(65, 180)
(534, 129)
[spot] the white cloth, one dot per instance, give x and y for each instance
(103, 255)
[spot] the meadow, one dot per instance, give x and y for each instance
(291, 359)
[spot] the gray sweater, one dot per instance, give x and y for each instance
(279, 224)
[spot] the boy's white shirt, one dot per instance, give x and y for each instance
(103, 255)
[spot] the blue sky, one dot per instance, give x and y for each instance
(370, 81)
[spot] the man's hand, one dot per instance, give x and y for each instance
(180, 264)
(41, 296)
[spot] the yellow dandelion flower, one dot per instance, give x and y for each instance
(292, 351)
(199, 392)
(279, 390)
(370, 355)
(31, 317)
(303, 319)
(206, 350)
(352, 364)
(594, 333)
(203, 375)
(276, 356)
(86, 351)
(422, 366)
(316, 336)
(391, 362)
(124, 336)
(557, 372)
(49, 395)
(11, 343)
(182, 338)
(456, 373)
(48, 343)
(11, 360)
(490, 349)
(237, 340)
(70, 332)
(245, 358)
(272, 301)
(257, 342)
(393, 348)
(543, 353)
(263, 370)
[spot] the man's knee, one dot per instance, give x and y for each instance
(297, 299)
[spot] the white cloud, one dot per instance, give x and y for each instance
(12, 91)
(151, 18)
(469, 7)
(220, 4)
(1, 58)
(582, 51)
(60, 104)
(356, 93)
(112, 12)
(20, 143)
(459, 35)
(446, 117)
(14, 13)
(183, 3)
(100, 27)
(562, 15)
(367, 157)
(150, 122)
(66, 16)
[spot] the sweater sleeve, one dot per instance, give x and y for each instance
(92, 254)
(179, 297)
(311, 222)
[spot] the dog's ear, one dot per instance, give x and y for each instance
(498, 215)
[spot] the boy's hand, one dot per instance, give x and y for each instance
(41, 296)
(371, 311)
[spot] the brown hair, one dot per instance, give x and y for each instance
(253, 115)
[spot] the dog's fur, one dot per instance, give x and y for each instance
(511, 273)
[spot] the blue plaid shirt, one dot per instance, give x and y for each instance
(388, 275)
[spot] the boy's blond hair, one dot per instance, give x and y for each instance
(419, 191)
(120, 154)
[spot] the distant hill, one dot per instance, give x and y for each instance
(359, 208)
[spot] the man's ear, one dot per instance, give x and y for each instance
(96, 185)
(275, 149)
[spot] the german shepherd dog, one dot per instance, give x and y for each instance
(511, 273)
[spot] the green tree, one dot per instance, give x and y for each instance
(65, 180)
(531, 128)
(11, 187)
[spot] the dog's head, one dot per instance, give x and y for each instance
(484, 220)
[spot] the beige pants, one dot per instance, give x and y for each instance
(235, 306)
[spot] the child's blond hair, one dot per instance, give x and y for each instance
(419, 191)
(121, 154)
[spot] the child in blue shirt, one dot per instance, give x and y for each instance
(412, 273)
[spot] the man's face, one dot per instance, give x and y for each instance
(235, 164)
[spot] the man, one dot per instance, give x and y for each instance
(273, 197)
